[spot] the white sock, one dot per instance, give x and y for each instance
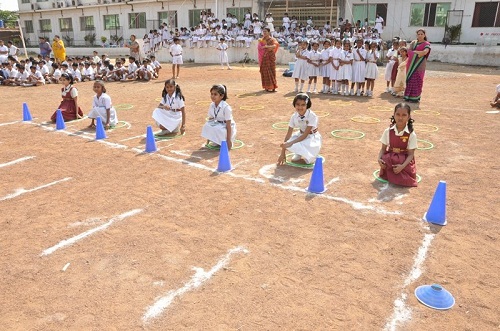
(314, 86)
(301, 87)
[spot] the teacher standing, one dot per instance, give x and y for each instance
(418, 52)
(267, 47)
(44, 46)
(134, 48)
(59, 49)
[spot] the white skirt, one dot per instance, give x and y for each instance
(177, 59)
(388, 70)
(216, 132)
(371, 70)
(345, 72)
(223, 57)
(358, 71)
(326, 70)
(170, 120)
(334, 74)
(312, 70)
(101, 112)
(300, 70)
(308, 148)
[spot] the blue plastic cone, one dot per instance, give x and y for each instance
(99, 130)
(26, 113)
(317, 184)
(437, 210)
(150, 140)
(60, 121)
(434, 296)
(224, 161)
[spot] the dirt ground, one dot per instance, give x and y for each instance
(347, 259)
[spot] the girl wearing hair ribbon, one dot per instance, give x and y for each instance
(220, 125)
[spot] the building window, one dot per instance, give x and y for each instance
(195, 16)
(45, 25)
(137, 20)
(87, 23)
(429, 14)
(28, 26)
(239, 13)
(362, 12)
(25, 1)
(42, 0)
(486, 14)
(169, 17)
(111, 22)
(66, 24)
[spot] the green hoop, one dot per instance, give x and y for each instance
(157, 137)
(425, 148)
(301, 165)
(76, 120)
(120, 125)
(361, 134)
(237, 145)
(376, 172)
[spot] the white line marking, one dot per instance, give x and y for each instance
(23, 191)
(72, 240)
(65, 266)
(8, 123)
(182, 153)
(131, 138)
(16, 161)
(200, 277)
(401, 312)
(333, 180)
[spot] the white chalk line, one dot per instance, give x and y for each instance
(72, 240)
(22, 191)
(200, 277)
(16, 161)
(401, 312)
(354, 204)
(9, 123)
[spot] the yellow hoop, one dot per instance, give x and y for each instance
(203, 103)
(381, 108)
(321, 113)
(340, 103)
(252, 107)
(365, 119)
(425, 127)
(426, 112)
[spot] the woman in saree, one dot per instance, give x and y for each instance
(58, 49)
(267, 47)
(418, 52)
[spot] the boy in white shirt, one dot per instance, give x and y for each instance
(156, 66)
(22, 76)
(56, 75)
(132, 68)
(35, 78)
(88, 72)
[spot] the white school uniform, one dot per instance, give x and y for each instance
(223, 53)
(325, 69)
(215, 129)
(371, 65)
(390, 65)
(308, 148)
(89, 72)
(132, 68)
(171, 118)
(99, 106)
(300, 70)
(335, 54)
(359, 66)
(176, 51)
(345, 71)
(314, 57)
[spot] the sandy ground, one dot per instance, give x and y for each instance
(272, 256)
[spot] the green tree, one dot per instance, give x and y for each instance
(9, 17)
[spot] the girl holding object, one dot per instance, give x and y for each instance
(306, 143)
(102, 107)
(170, 115)
(69, 105)
(397, 155)
(220, 125)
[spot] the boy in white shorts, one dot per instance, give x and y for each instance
(176, 53)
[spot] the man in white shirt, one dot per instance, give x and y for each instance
(12, 50)
(4, 52)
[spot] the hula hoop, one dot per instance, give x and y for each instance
(124, 106)
(237, 145)
(158, 99)
(157, 137)
(426, 112)
(251, 107)
(321, 113)
(381, 108)
(427, 147)
(365, 119)
(421, 127)
(301, 165)
(376, 172)
(290, 98)
(203, 103)
(280, 126)
(246, 95)
(360, 134)
(340, 103)
(121, 124)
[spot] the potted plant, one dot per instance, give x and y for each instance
(116, 39)
(104, 39)
(453, 32)
(90, 39)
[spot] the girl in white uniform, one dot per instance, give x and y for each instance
(326, 66)
(345, 71)
(392, 55)
(170, 115)
(359, 67)
(222, 47)
(102, 107)
(300, 70)
(306, 143)
(371, 68)
(220, 125)
(335, 54)
(313, 61)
